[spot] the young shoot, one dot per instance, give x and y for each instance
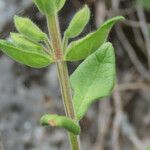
(92, 80)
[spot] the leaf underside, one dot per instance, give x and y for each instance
(93, 79)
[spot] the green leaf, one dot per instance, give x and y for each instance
(29, 58)
(78, 22)
(60, 4)
(21, 42)
(47, 7)
(61, 122)
(93, 79)
(82, 48)
(29, 29)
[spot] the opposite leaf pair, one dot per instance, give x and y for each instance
(25, 47)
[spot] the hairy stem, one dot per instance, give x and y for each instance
(65, 43)
(54, 31)
(63, 76)
(65, 89)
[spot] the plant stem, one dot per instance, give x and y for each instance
(65, 89)
(67, 100)
(65, 43)
(54, 31)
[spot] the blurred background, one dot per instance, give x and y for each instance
(119, 122)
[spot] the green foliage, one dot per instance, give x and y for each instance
(93, 79)
(62, 122)
(145, 3)
(47, 7)
(27, 57)
(29, 29)
(82, 48)
(23, 43)
(78, 22)
(148, 148)
(24, 47)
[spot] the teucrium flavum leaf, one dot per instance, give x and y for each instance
(78, 22)
(82, 48)
(21, 42)
(62, 122)
(93, 79)
(29, 29)
(27, 57)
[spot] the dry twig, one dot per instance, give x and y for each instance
(131, 52)
(104, 119)
(129, 132)
(133, 23)
(117, 119)
(145, 31)
(137, 33)
(133, 86)
(122, 124)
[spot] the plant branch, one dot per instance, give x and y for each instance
(63, 76)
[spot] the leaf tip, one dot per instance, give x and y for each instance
(87, 10)
(17, 18)
(118, 18)
(86, 7)
(121, 18)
